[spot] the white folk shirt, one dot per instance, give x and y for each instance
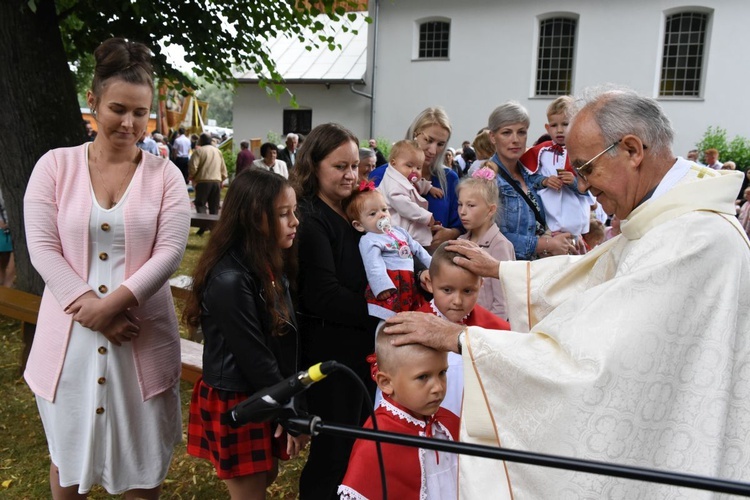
(637, 353)
(566, 210)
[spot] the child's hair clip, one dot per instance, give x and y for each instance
(372, 359)
(367, 186)
(484, 173)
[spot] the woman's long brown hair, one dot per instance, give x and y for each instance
(248, 226)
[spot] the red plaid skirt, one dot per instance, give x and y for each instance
(246, 450)
(406, 298)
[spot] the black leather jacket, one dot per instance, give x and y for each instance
(240, 354)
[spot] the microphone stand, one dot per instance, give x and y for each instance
(313, 425)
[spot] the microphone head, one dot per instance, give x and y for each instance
(384, 224)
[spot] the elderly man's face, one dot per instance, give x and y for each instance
(373, 143)
(613, 180)
(291, 143)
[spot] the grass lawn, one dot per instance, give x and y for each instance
(24, 459)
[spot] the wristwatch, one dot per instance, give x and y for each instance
(460, 341)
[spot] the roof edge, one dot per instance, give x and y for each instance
(308, 81)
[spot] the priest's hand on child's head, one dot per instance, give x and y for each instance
(474, 258)
(423, 328)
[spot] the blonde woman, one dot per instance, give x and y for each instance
(432, 130)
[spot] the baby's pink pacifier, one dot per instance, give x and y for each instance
(413, 177)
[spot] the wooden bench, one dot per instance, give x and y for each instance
(203, 221)
(180, 286)
(24, 307)
(192, 360)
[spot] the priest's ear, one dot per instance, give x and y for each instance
(385, 382)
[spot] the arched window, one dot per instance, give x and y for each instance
(683, 60)
(434, 40)
(554, 66)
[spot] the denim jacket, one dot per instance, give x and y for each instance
(515, 218)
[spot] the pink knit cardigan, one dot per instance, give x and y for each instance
(57, 206)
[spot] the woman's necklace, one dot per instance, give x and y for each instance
(113, 199)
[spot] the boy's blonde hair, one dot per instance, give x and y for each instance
(443, 257)
(560, 106)
(391, 358)
(596, 233)
(403, 146)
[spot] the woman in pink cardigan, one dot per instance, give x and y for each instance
(106, 226)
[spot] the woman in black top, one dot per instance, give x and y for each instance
(333, 318)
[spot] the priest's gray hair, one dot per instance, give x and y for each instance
(621, 111)
(508, 113)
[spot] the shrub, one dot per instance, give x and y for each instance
(384, 145)
(230, 159)
(275, 138)
(737, 150)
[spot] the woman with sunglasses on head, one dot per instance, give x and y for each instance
(521, 218)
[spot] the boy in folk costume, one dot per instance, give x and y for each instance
(566, 209)
(413, 381)
(455, 293)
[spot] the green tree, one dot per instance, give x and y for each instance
(41, 39)
(219, 98)
(737, 150)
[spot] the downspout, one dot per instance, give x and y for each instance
(374, 58)
(363, 94)
(374, 65)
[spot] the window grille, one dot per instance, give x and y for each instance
(297, 121)
(554, 70)
(682, 62)
(434, 38)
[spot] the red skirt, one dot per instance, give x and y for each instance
(249, 449)
(406, 298)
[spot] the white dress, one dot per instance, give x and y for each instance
(99, 430)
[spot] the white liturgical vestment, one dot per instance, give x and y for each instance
(636, 353)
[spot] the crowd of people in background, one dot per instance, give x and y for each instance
(317, 243)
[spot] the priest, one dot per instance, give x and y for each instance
(636, 353)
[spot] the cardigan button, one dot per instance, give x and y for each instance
(99, 410)
(103, 288)
(101, 380)
(103, 256)
(105, 227)
(102, 350)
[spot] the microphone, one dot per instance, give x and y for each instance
(267, 403)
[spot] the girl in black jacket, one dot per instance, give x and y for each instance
(241, 299)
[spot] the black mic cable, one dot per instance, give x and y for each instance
(268, 403)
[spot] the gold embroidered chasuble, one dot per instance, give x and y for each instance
(637, 353)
